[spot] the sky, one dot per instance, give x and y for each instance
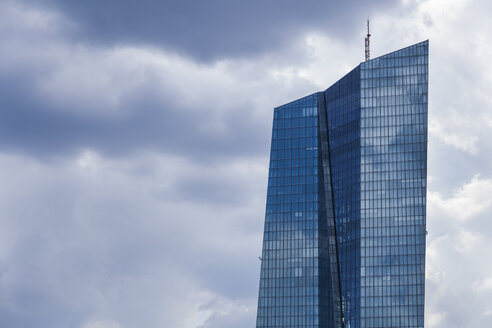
(134, 145)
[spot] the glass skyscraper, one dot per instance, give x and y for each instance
(345, 223)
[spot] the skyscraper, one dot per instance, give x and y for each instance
(345, 222)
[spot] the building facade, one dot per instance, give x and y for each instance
(345, 222)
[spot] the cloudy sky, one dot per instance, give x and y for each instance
(134, 142)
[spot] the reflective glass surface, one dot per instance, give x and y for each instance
(344, 235)
(289, 283)
(393, 128)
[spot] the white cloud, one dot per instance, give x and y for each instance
(434, 319)
(468, 201)
(484, 285)
(444, 130)
(458, 242)
(101, 324)
(468, 240)
(222, 313)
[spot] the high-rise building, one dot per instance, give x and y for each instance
(345, 223)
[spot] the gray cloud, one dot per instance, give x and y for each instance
(134, 143)
(29, 124)
(92, 242)
(229, 314)
(147, 117)
(124, 99)
(207, 30)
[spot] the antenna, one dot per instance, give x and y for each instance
(368, 53)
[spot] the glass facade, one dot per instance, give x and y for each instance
(289, 283)
(344, 238)
(393, 179)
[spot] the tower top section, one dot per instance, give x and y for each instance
(367, 42)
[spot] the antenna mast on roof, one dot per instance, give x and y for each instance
(368, 54)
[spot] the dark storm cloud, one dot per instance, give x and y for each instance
(208, 30)
(149, 117)
(30, 124)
